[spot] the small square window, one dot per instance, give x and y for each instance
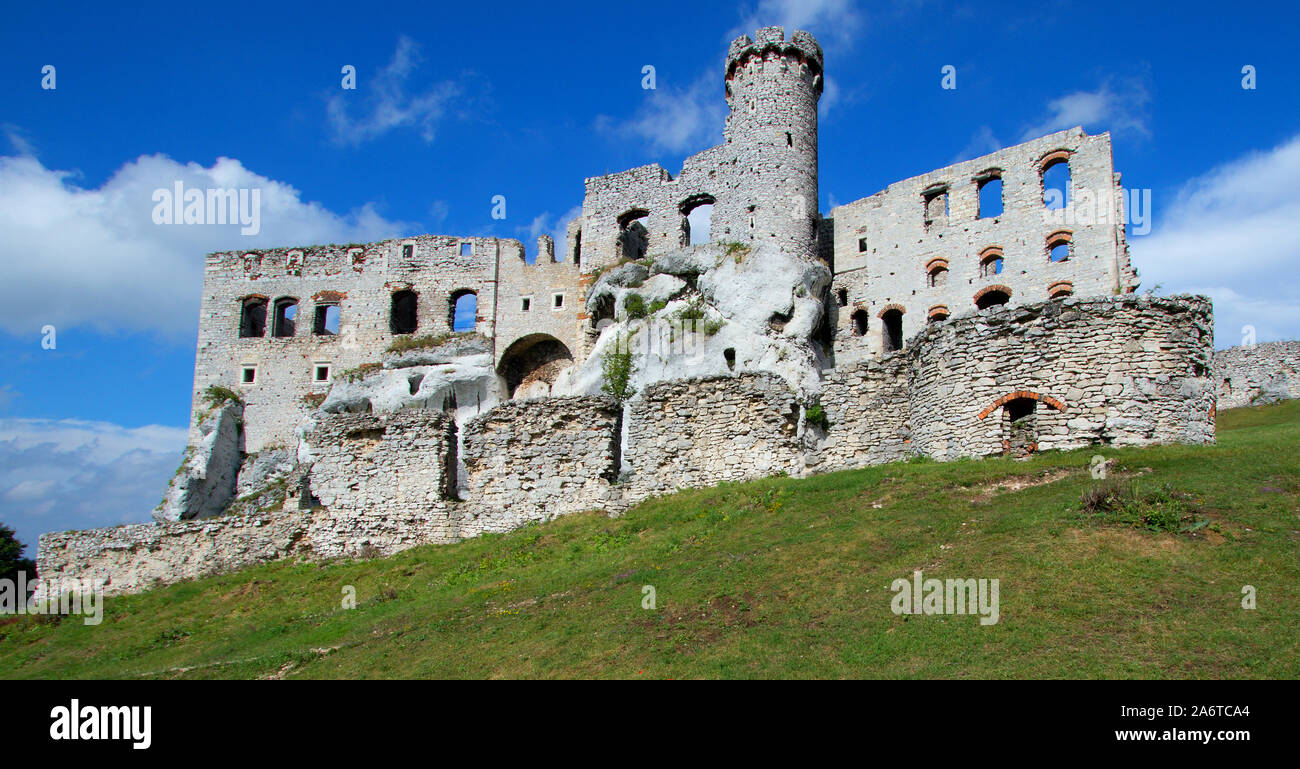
(466, 249)
(526, 304)
(862, 245)
(248, 375)
(557, 302)
(407, 248)
(321, 372)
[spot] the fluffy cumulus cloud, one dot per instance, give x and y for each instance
(1118, 105)
(384, 102)
(73, 474)
(673, 119)
(76, 256)
(1230, 234)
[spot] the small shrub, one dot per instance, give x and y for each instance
(217, 396)
(815, 415)
(1159, 509)
(616, 369)
(360, 372)
(635, 306)
(314, 399)
(656, 306)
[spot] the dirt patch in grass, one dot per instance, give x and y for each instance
(986, 492)
(695, 627)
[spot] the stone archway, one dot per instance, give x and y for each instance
(531, 364)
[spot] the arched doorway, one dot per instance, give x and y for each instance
(531, 364)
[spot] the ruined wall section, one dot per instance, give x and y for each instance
(1257, 374)
(539, 301)
(1129, 370)
(701, 432)
(382, 463)
(884, 249)
(361, 280)
(534, 460)
(868, 414)
(137, 557)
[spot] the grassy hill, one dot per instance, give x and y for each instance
(778, 578)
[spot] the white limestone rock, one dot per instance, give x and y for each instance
(206, 482)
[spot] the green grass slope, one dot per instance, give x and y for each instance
(775, 578)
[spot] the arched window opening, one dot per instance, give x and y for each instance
(464, 311)
(937, 314)
(991, 265)
(891, 332)
(697, 220)
(1060, 246)
(938, 276)
(992, 296)
(633, 235)
(990, 195)
(252, 317)
(859, 318)
(531, 364)
(1060, 290)
(1020, 426)
(842, 297)
(286, 311)
(402, 318)
(1056, 180)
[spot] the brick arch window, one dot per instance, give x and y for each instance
(1054, 176)
(936, 272)
(697, 219)
(402, 316)
(252, 316)
(1060, 289)
(937, 313)
(463, 310)
(988, 187)
(1022, 395)
(990, 296)
(286, 314)
(1060, 246)
(991, 262)
(633, 235)
(891, 327)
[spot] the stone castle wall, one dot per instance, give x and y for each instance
(1257, 374)
(693, 433)
(535, 460)
(1128, 370)
(885, 246)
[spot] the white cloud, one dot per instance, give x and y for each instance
(386, 103)
(73, 474)
(674, 120)
(832, 22)
(72, 256)
(1230, 233)
(1118, 105)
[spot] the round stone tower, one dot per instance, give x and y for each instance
(773, 86)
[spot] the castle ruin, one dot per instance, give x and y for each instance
(954, 314)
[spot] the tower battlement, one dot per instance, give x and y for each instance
(801, 46)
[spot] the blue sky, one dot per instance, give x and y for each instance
(459, 102)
